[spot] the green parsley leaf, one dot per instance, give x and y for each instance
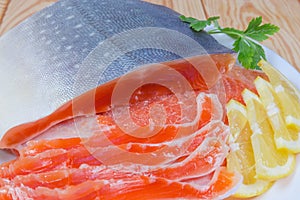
(187, 19)
(246, 43)
(198, 25)
(246, 54)
(250, 53)
(260, 32)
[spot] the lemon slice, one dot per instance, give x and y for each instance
(287, 93)
(241, 158)
(284, 138)
(270, 163)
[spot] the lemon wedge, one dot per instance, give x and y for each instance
(288, 96)
(241, 157)
(285, 138)
(270, 163)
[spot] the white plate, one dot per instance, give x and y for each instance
(286, 188)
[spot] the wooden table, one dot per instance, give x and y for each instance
(234, 13)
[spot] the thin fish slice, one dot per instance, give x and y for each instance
(49, 160)
(210, 110)
(61, 178)
(238, 79)
(138, 187)
(74, 157)
(99, 99)
(203, 161)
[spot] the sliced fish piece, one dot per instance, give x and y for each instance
(186, 76)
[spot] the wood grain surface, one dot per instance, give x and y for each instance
(3, 8)
(19, 10)
(234, 13)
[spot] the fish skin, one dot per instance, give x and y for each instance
(39, 59)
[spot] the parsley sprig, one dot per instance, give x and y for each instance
(246, 42)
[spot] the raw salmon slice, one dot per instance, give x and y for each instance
(200, 73)
(237, 79)
(194, 164)
(137, 187)
(78, 155)
(48, 160)
(208, 157)
(210, 111)
(34, 147)
(159, 142)
(61, 178)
